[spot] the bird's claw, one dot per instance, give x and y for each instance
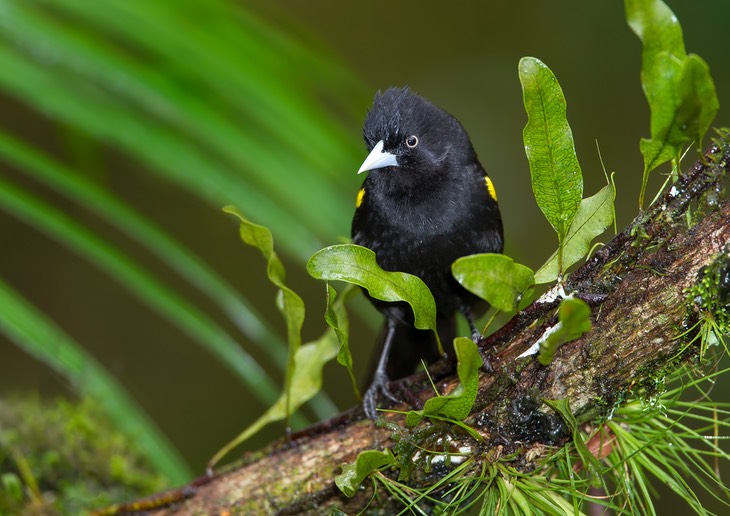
(370, 399)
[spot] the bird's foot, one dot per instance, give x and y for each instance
(370, 399)
(476, 335)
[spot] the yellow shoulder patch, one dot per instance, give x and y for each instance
(490, 188)
(360, 197)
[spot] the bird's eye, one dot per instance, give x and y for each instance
(412, 141)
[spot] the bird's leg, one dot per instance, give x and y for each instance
(380, 378)
(476, 335)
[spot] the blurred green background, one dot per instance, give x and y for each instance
(125, 127)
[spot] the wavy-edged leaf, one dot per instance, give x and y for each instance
(594, 216)
(678, 87)
(356, 264)
(40, 337)
(458, 404)
(140, 283)
(336, 317)
(289, 303)
(574, 319)
(557, 180)
(495, 278)
(355, 473)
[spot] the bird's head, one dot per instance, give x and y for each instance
(407, 135)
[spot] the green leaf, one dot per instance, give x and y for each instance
(658, 29)
(496, 278)
(678, 87)
(336, 317)
(594, 216)
(40, 337)
(698, 101)
(355, 473)
(289, 303)
(356, 264)
(683, 105)
(459, 403)
(304, 383)
(557, 180)
(574, 319)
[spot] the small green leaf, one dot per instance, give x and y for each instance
(356, 264)
(557, 180)
(573, 321)
(594, 216)
(336, 317)
(496, 278)
(459, 403)
(355, 473)
(304, 384)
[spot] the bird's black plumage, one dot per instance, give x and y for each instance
(425, 202)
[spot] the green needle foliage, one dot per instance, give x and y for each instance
(617, 464)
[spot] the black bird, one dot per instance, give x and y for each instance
(425, 202)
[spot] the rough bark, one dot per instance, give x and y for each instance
(636, 288)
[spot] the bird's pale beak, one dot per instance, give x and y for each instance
(378, 158)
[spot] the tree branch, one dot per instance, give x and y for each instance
(636, 287)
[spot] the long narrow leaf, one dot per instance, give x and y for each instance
(169, 251)
(170, 155)
(80, 56)
(557, 180)
(246, 156)
(304, 384)
(142, 284)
